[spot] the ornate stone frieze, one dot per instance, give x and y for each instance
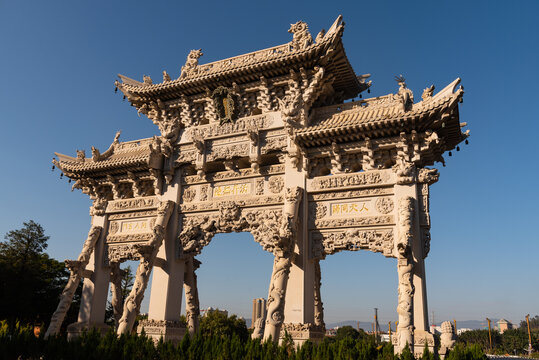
(214, 205)
(133, 214)
(327, 243)
(99, 207)
(276, 184)
(189, 194)
(128, 237)
(239, 173)
(204, 193)
(384, 205)
(352, 193)
(355, 221)
(303, 331)
(228, 152)
(274, 144)
(132, 204)
(356, 179)
(259, 122)
(259, 187)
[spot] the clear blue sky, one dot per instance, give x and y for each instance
(59, 60)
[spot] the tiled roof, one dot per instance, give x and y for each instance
(273, 61)
(127, 155)
(385, 113)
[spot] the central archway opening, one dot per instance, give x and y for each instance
(369, 281)
(234, 271)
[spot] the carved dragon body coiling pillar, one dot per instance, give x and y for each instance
(405, 326)
(148, 253)
(192, 306)
(281, 265)
(318, 305)
(116, 291)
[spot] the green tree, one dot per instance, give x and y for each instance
(534, 324)
(30, 281)
(217, 324)
(346, 332)
(514, 340)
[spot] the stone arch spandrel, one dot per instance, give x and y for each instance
(262, 223)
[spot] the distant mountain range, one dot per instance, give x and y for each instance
(367, 326)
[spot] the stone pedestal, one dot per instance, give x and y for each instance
(422, 337)
(169, 330)
(302, 332)
(74, 330)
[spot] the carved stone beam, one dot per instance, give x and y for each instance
(155, 174)
(192, 307)
(87, 274)
(367, 151)
(137, 189)
(264, 100)
(148, 254)
(76, 268)
(200, 162)
(254, 148)
(115, 186)
(336, 159)
(211, 112)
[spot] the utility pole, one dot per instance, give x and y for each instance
(376, 325)
(358, 326)
(433, 322)
(489, 335)
(455, 322)
(389, 331)
(529, 335)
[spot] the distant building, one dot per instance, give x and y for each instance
(210, 309)
(463, 330)
(259, 311)
(504, 325)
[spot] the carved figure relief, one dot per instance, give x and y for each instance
(384, 205)
(276, 184)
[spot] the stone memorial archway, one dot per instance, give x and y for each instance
(264, 143)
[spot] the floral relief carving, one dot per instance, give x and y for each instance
(204, 193)
(276, 184)
(384, 205)
(357, 221)
(239, 173)
(353, 240)
(114, 227)
(189, 194)
(259, 186)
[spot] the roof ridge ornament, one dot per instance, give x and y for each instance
(97, 156)
(301, 38)
(405, 95)
(191, 63)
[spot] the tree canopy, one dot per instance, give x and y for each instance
(30, 281)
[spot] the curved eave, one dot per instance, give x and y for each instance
(429, 117)
(330, 51)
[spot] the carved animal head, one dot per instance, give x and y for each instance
(298, 28)
(194, 55)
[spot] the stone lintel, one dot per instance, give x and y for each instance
(76, 329)
(302, 332)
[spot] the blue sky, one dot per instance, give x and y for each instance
(59, 60)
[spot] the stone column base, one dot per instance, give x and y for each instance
(169, 330)
(421, 337)
(302, 332)
(74, 330)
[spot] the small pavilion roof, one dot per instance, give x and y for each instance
(385, 116)
(127, 156)
(271, 62)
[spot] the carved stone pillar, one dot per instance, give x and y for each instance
(192, 307)
(76, 269)
(168, 277)
(405, 326)
(96, 285)
(116, 291)
(148, 253)
(318, 305)
(282, 263)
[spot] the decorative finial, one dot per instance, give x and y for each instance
(400, 79)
